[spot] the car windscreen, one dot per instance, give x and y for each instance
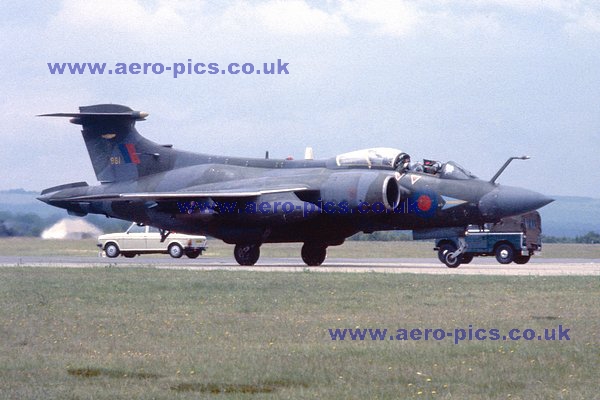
(137, 229)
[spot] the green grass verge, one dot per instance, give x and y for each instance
(350, 249)
(123, 333)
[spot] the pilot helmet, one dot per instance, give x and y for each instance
(403, 161)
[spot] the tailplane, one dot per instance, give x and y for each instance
(117, 151)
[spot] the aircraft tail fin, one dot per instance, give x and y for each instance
(117, 151)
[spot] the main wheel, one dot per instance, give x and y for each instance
(175, 250)
(522, 259)
(313, 255)
(193, 253)
(445, 248)
(246, 254)
(505, 254)
(128, 255)
(112, 250)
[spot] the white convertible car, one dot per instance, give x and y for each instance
(143, 239)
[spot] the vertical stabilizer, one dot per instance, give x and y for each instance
(117, 151)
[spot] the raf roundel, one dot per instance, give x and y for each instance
(424, 203)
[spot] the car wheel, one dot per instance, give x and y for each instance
(466, 258)
(522, 259)
(505, 253)
(112, 250)
(175, 250)
(193, 253)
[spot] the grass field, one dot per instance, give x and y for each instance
(350, 249)
(128, 333)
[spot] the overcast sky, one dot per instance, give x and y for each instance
(474, 81)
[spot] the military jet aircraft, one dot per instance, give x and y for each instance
(251, 201)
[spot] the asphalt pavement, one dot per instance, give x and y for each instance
(482, 266)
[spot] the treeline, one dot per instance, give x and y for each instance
(386, 236)
(383, 236)
(589, 238)
(31, 224)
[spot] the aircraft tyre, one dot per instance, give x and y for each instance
(246, 254)
(522, 259)
(505, 253)
(112, 250)
(445, 248)
(193, 253)
(450, 261)
(128, 255)
(175, 250)
(313, 255)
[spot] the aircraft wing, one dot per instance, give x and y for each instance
(186, 195)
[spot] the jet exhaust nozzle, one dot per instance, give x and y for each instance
(361, 190)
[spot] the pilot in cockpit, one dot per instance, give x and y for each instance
(402, 163)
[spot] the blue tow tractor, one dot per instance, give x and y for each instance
(513, 239)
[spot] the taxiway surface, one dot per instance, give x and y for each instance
(484, 266)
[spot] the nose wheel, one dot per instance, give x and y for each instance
(453, 257)
(451, 260)
(246, 254)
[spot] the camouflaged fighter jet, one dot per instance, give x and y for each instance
(251, 201)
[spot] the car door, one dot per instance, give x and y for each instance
(153, 240)
(476, 242)
(134, 238)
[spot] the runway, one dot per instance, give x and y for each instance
(483, 266)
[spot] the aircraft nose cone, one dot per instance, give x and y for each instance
(505, 201)
(44, 198)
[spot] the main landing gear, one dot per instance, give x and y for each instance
(313, 254)
(246, 254)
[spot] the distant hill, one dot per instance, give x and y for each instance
(571, 216)
(18, 205)
(567, 216)
(19, 201)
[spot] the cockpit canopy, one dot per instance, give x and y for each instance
(390, 158)
(452, 170)
(379, 157)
